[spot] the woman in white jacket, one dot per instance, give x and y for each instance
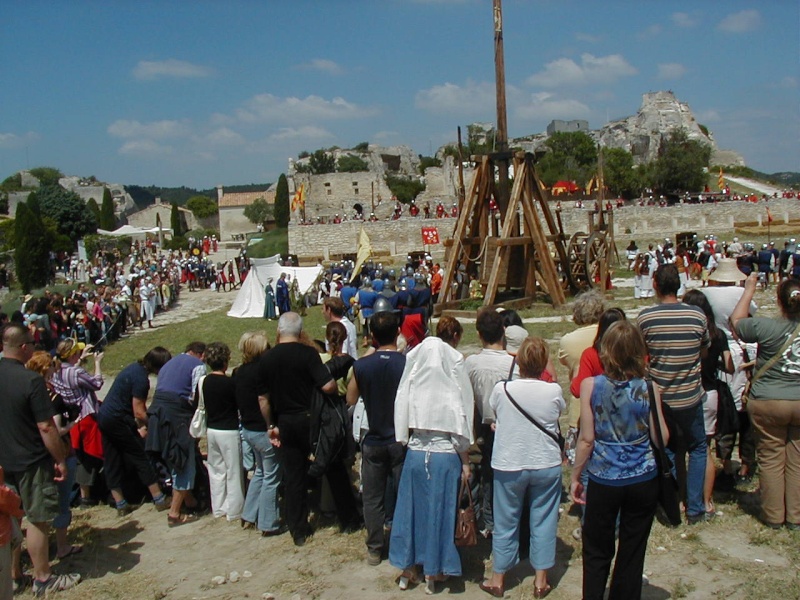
(433, 416)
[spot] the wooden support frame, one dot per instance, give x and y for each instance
(540, 246)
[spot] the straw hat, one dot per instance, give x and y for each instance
(727, 272)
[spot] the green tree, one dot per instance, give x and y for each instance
(361, 147)
(351, 164)
(91, 204)
(202, 206)
(618, 172)
(31, 252)
(572, 156)
(259, 212)
(47, 175)
(281, 210)
(321, 162)
(403, 188)
(175, 221)
(428, 161)
(680, 163)
(12, 183)
(67, 209)
(107, 220)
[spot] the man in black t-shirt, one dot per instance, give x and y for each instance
(31, 454)
(375, 379)
(288, 374)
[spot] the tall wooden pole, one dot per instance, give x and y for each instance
(500, 77)
(501, 139)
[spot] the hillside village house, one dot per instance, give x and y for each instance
(147, 217)
(233, 225)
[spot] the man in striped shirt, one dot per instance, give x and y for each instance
(677, 338)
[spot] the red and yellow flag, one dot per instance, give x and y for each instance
(299, 198)
(769, 216)
(721, 180)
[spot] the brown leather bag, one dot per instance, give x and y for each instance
(466, 525)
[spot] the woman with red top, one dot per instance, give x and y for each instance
(590, 359)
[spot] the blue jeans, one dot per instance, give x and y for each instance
(544, 492)
(687, 434)
(261, 502)
(64, 517)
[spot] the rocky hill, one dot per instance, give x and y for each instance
(642, 134)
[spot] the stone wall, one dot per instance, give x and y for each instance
(645, 223)
(388, 238)
(147, 217)
(233, 222)
(332, 193)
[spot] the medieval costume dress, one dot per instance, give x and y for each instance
(282, 295)
(269, 302)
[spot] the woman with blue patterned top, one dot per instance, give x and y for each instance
(614, 447)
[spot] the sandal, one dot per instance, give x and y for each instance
(496, 591)
(73, 550)
(55, 583)
(182, 520)
(406, 578)
(541, 592)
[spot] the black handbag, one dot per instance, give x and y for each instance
(727, 415)
(667, 484)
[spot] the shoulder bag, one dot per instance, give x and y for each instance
(199, 425)
(466, 525)
(557, 438)
(667, 484)
(768, 365)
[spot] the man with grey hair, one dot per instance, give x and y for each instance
(586, 313)
(288, 374)
(32, 456)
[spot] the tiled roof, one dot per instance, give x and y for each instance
(246, 198)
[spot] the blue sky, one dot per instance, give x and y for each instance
(200, 93)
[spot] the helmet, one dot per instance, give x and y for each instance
(419, 277)
(382, 305)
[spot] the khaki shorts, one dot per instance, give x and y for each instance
(38, 490)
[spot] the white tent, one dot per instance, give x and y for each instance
(132, 231)
(250, 299)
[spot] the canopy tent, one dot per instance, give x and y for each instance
(132, 231)
(249, 301)
(563, 187)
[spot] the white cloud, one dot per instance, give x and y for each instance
(13, 140)
(224, 136)
(649, 33)
(591, 70)
(671, 71)
(544, 105)
(153, 130)
(147, 70)
(307, 132)
(741, 22)
(146, 149)
(267, 107)
(789, 82)
(472, 98)
(323, 65)
(682, 19)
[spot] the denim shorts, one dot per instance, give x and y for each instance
(183, 480)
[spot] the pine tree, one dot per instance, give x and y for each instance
(281, 210)
(31, 254)
(175, 221)
(107, 219)
(91, 204)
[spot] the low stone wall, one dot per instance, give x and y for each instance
(642, 223)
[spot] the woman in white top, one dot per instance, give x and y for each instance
(528, 460)
(433, 415)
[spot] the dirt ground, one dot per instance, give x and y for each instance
(139, 557)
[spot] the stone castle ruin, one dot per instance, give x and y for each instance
(344, 193)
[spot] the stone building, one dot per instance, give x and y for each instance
(558, 126)
(232, 222)
(148, 217)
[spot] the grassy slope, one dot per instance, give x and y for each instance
(272, 243)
